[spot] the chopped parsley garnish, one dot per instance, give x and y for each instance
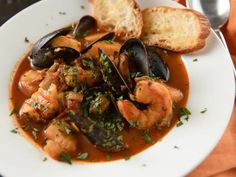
(176, 147)
(131, 53)
(195, 60)
(26, 40)
(34, 105)
(65, 158)
(204, 110)
(12, 112)
(136, 74)
(134, 124)
(45, 159)
(82, 7)
(107, 41)
(14, 130)
(62, 13)
(120, 98)
(146, 137)
(107, 156)
(88, 63)
(180, 123)
(35, 133)
(182, 113)
(82, 35)
(127, 157)
(158, 127)
(82, 156)
(68, 130)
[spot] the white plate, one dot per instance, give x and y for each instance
(211, 86)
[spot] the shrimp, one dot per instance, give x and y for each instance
(76, 74)
(60, 138)
(30, 80)
(159, 103)
(42, 105)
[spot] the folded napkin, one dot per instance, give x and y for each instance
(222, 160)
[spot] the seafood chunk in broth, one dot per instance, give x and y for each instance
(91, 95)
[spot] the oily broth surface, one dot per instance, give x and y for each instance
(132, 137)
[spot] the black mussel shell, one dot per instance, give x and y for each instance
(108, 36)
(47, 38)
(111, 76)
(45, 57)
(158, 68)
(86, 22)
(137, 54)
(97, 135)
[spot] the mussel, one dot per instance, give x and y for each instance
(144, 59)
(137, 54)
(112, 76)
(157, 66)
(42, 55)
(97, 135)
(44, 58)
(86, 22)
(47, 38)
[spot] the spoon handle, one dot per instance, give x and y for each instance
(221, 36)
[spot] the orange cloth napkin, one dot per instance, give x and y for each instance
(222, 160)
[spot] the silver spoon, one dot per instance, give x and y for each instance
(217, 12)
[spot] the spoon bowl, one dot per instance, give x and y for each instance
(217, 11)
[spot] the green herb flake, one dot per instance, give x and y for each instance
(107, 156)
(14, 131)
(146, 137)
(107, 41)
(204, 110)
(82, 7)
(134, 124)
(120, 98)
(195, 60)
(136, 74)
(12, 112)
(180, 123)
(176, 147)
(34, 105)
(68, 130)
(82, 156)
(127, 157)
(65, 158)
(183, 113)
(62, 13)
(26, 40)
(45, 159)
(35, 134)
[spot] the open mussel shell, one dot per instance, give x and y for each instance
(86, 22)
(45, 57)
(47, 38)
(108, 36)
(111, 76)
(97, 135)
(157, 66)
(137, 54)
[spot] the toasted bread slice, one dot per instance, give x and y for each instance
(178, 30)
(124, 17)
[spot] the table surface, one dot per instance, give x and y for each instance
(8, 8)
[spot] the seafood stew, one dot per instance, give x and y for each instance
(82, 93)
